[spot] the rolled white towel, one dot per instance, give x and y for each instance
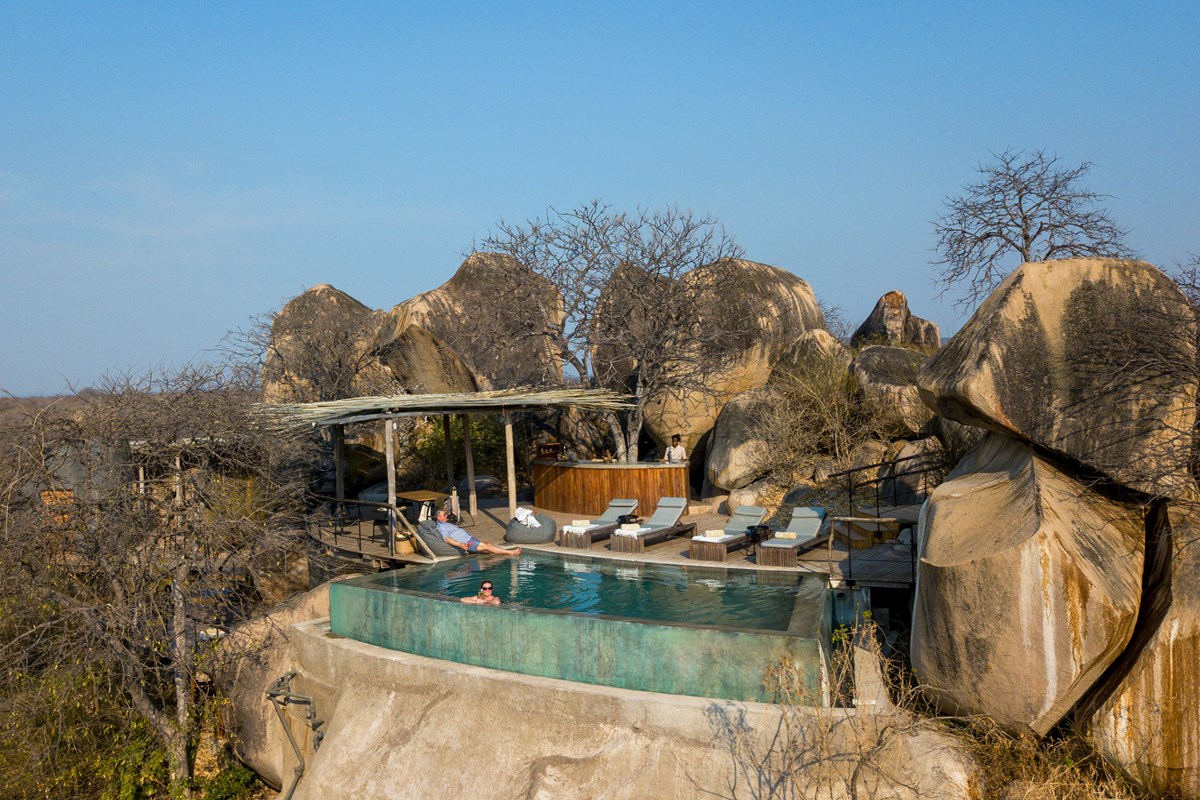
(527, 518)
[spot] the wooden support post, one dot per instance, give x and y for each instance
(178, 481)
(389, 439)
(472, 498)
(449, 452)
(512, 465)
(339, 467)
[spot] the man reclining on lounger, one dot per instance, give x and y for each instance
(457, 537)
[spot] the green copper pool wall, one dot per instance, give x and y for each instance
(673, 659)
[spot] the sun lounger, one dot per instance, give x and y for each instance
(582, 536)
(808, 526)
(663, 523)
(715, 545)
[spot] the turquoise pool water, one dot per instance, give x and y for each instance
(648, 592)
(701, 631)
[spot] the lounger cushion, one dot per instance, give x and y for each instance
(787, 544)
(516, 533)
(719, 537)
(669, 510)
(616, 508)
(427, 530)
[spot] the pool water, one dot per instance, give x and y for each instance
(702, 631)
(685, 595)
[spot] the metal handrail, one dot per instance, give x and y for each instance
(851, 485)
(393, 512)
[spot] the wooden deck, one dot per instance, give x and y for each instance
(889, 564)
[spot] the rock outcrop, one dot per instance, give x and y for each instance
(1094, 359)
(421, 362)
(738, 443)
(321, 344)
(1150, 722)
(888, 377)
(817, 344)
(260, 738)
(891, 323)
(1028, 587)
(782, 307)
(327, 345)
(493, 313)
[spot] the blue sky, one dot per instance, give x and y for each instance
(168, 170)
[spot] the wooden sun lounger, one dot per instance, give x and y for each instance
(586, 538)
(810, 525)
(776, 556)
(638, 544)
(604, 527)
(736, 534)
(662, 524)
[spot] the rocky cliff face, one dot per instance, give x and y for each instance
(460, 337)
(783, 307)
(321, 347)
(1029, 587)
(891, 323)
(888, 379)
(1058, 567)
(493, 313)
(1093, 359)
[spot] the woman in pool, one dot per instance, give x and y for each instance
(485, 596)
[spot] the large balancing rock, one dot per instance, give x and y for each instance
(1092, 358)
(1151, 723)
(1027, 589)
(772, 306)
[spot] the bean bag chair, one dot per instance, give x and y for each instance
(516, 533)
(427, 530)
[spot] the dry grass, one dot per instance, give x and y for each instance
(828, 747)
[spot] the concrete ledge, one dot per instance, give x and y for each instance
(447, 730)
(396, 725)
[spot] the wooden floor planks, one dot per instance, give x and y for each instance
(882, 565)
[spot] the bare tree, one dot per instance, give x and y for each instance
(642, 294)
(1027, 207)
(136, 530)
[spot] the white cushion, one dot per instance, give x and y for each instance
(717, 536)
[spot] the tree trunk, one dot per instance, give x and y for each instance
(174, 741)
(618, 435)
(634, 432)
(177, 748)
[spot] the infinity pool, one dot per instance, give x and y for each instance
(702, 631)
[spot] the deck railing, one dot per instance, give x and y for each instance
(916, 468)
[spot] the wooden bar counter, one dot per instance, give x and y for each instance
(585, 487)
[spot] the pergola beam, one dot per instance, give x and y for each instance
(511, 465)
(472, 497)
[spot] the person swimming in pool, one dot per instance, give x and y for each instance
(485, 596)
(457, 537)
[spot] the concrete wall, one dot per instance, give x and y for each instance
(704, 661)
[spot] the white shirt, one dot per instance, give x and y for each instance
(676, 454)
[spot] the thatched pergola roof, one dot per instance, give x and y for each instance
(364, 409)
(337, 413)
